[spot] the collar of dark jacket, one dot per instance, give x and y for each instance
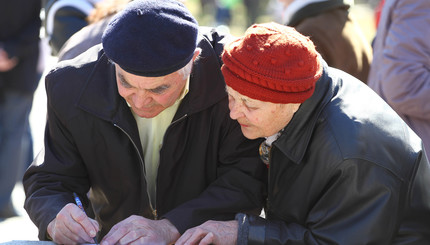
(100, 97)
(295, 137)
(207, 86)
(315, 9)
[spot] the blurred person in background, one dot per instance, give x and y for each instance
(63, 18)
(400, 71)
(91, 34)
(223, 12)
(377, 13)
(254, 9)
(334, 31)
(19, 55)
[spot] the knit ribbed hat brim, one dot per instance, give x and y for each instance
(272, 63)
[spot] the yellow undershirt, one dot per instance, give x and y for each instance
(151, 133)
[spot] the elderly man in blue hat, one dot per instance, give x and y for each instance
(138, 128)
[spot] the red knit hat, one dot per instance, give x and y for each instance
(272, 63)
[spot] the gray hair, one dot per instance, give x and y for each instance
(186, 70)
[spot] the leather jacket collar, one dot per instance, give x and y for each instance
(295, 137)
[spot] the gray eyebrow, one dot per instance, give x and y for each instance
(122, 78)
(161, 87)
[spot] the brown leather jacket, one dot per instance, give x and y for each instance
(336, 35)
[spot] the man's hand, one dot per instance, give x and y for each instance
(6, 63)
(139, 230)
(72, 226)
(211, 232)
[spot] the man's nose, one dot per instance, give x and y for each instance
(141, 99)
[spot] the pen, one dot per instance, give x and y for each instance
(79, 203)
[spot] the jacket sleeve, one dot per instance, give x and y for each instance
(360, 204)
(56, 172)
(404, 70)
(239, 185)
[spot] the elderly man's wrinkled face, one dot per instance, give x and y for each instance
(258, 118)
(149, 96)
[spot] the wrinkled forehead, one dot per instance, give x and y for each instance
(145, 82)
(238, 96)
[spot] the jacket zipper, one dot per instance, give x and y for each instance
(268, 204)
(177, 120)
(153, 208)
(164, 137)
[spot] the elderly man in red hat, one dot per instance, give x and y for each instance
(344, 168)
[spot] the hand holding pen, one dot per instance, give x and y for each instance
(79, 203)
(72, 226)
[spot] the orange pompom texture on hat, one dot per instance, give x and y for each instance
(272, 63)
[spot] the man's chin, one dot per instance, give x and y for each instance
(248, 133)
(147, 114)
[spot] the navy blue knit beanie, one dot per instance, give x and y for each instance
(151, 38)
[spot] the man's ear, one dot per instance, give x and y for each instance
(196, 53)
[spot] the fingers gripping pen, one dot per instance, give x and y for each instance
(79, 203)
